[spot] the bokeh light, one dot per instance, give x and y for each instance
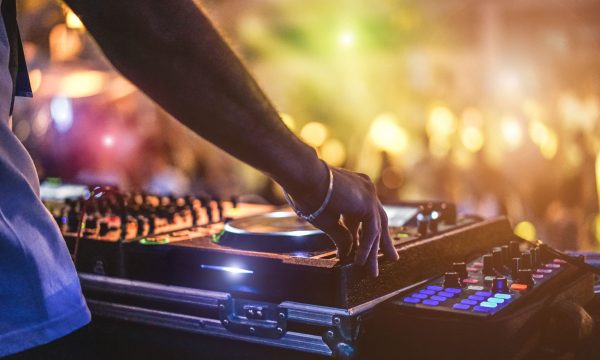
(314, 133)
(526, 230)
(288, 120)
(82, 83)
(73, 21)
(512, 132)
(333, 152)
(346, 39)
(387, 135)
(61, 111)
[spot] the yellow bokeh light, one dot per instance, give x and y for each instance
(549, 146)
(526, 230)
(511, 132)
(314, 134)
(288, 120)
(73, 21)
(472, 138)
(441, 122)
(64, 44)
(35, 79)
(544, 137)
(82, 84)
(387, 135)
(346, 39)
(333, 152)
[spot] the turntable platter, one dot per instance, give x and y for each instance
(279, 232)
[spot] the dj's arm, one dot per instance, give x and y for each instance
(172, 52)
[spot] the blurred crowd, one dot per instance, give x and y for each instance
(494, 105)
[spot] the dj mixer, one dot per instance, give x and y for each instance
(257, 273)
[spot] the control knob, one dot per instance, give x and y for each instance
(452, 280)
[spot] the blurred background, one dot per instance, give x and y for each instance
(491, 104)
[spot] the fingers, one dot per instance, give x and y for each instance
(353, 224)
(370, 236)
(372, 260)
(338, 233)
(387, 244)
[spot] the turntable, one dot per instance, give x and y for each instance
(276, 232)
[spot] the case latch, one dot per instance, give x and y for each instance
(253, 318)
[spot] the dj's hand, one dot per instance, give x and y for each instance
(353, 205)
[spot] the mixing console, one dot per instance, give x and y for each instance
(489, 284)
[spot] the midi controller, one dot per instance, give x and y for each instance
(257, 273)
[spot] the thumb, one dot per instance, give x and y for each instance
(342, 238)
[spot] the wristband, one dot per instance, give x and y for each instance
(314, 215)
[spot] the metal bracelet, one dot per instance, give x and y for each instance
(314, 215)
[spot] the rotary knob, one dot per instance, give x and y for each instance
(514, 249)
(525, 276)
(500, 284)
(488, 265)
(461, 269)
(497, 259)
(451, 280)
(525, 262)
(505, 254)
(514, 267)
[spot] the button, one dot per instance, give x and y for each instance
(472, 269)
(552, 266)
(411, 300)
(453, 290)
(475, 297)
(445, 294)
(544, 271)
(468, 302)
(495, 300)
(427, 292)
(482, 309)
(475, 288)
(461, 307)
(470, 281)
(537, 276)
(483, 293)
(477, 265)
(488, 304)
(430, 302)
(434, 288)
(438, 298)
(503, 296)
(518, 287)
(419, 296)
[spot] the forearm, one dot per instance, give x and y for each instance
(171, 51)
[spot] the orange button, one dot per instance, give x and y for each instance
(518, 287)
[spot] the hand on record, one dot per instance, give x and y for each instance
(354, 218)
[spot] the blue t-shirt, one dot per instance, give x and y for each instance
(40, 295)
